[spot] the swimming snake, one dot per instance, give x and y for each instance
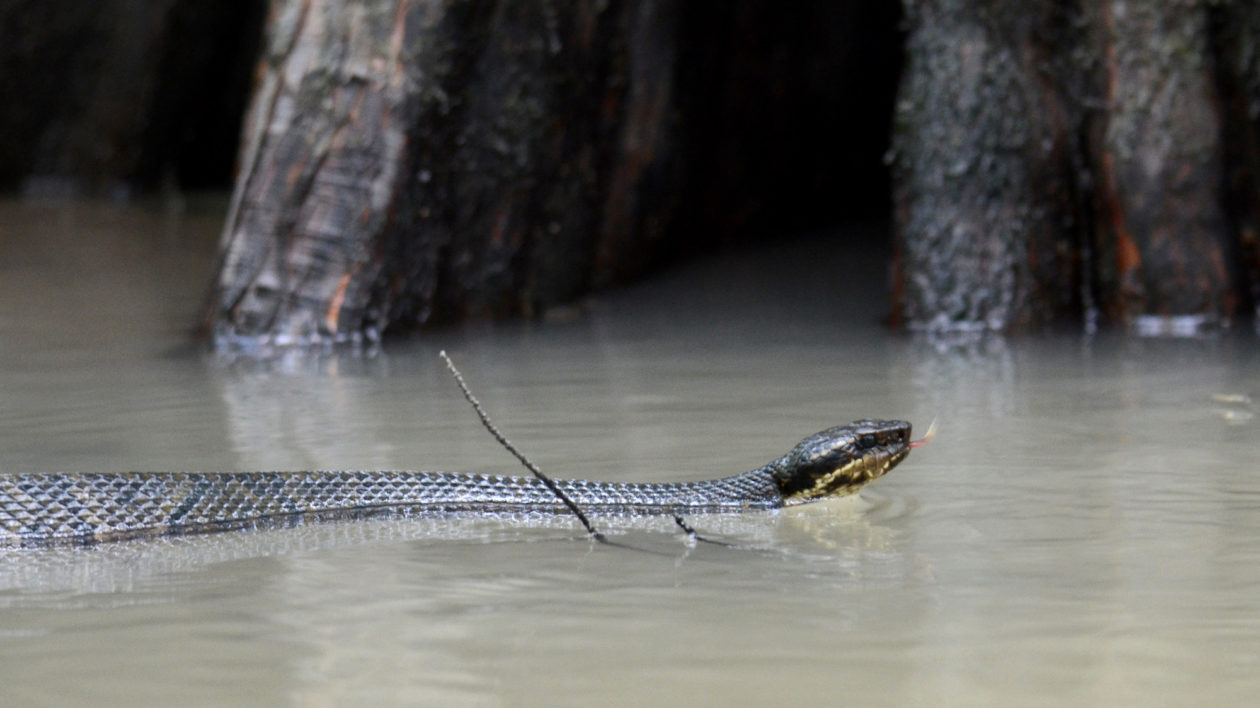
(85, 508)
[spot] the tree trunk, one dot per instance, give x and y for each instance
(1160, 233)
(983, 150)
(319, 165)
(413, 161)
(1064, 161)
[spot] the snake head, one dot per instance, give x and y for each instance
(840, 460)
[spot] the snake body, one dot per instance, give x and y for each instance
(61, 509)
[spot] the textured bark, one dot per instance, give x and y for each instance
(1160, 232)
(319, 167)
(982, 151)
(524, 172)
(1064, 161)
(409, 161)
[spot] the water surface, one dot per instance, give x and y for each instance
(1085, 528)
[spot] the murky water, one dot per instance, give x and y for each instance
(1084, 530)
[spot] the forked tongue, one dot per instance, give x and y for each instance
(927, 437)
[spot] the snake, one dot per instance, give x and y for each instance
(51, 509)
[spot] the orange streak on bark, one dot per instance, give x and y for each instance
(1128, 257)
(334, 305)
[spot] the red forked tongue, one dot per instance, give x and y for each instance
(931, 433)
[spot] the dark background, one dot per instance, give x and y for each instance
(785, 109)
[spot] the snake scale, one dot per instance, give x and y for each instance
(69, 509)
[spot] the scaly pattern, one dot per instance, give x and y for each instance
(43, 509)
(50, 509)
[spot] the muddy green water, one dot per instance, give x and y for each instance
(1084, 530)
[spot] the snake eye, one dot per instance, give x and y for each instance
(866, 441)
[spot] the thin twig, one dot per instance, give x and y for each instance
(485, 420)
(695, 536)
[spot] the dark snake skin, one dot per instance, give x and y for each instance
(61, 509)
